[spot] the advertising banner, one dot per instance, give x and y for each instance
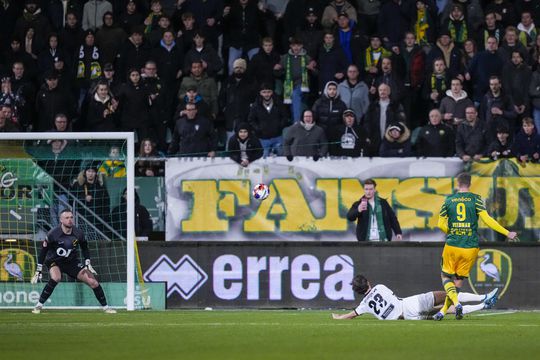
(149, 296)
(210, 199)
(318, 275)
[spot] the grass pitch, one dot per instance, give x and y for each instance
(263, 335)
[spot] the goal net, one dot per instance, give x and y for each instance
(91, 174)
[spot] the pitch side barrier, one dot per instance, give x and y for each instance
(317, 275)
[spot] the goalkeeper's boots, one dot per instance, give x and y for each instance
(109, 310)
(459, 312)
(438, 316)
(36, 310)
(491, 298)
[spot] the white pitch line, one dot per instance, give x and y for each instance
(497, 313)
(267, 324)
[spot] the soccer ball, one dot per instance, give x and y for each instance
(260, 191)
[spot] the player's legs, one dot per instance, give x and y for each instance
(55, 275)
(86, 277)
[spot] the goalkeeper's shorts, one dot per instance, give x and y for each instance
(72, 267)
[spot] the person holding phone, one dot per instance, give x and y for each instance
(376, 221)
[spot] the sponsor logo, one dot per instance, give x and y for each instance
(493, 269)
(16, 265)
(253, 278)
(184, 277)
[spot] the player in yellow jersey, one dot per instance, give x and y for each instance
(459, 220)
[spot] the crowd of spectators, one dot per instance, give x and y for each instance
(292, 78)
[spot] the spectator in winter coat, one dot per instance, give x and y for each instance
(206, 86)
(502, 146)
(311, 32)
(101, 109)
(496, 109)
(435, 84)
(483, 66)
(110, 39)
(305, 138)
(134, 54)
(435, 139)
(192, 97)
(332, 11)
(396, 142)
(515, 82)
(349, 138)
(193, 135)
(236, 96)
(267, 118)
(350, 38)
(527, 143)
(242, 22)
(204, 53)
(135, 101)
(455, 102)
(6, 125)
(91, 191)
(93, 12)
(244, 147)
(50, 101)
(375, 219)
(380, 114)
(354, 92)
(143, 221)
(328, 109)
(470, 137)
(331, 61)
(261, 67)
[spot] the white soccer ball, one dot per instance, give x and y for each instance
(260, 191)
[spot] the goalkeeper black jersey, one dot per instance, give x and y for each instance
(62, 247)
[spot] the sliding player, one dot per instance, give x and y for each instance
(59, 251)
(381, 302)
(458, 219)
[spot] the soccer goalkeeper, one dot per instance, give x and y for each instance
(458, 219)
(59, 254)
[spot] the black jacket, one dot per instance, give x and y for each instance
(470, 140)
(347, 141)
(193, 137)
(436, 141)
(254, 149)
(51, 102)
(362, 220)
(267, 124)
(235, 99)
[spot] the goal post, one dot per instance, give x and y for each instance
(30, 209)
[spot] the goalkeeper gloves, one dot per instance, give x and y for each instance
(37, 274)
(89, 267)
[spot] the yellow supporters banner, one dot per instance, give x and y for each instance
(210, 199)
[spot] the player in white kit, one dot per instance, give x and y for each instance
(382, 303)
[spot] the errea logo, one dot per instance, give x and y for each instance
(184, 277)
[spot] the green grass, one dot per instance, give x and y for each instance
(263, 335)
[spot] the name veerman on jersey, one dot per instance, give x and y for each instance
(381, 302)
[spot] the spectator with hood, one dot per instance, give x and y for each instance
(244, 147)
(348, 138)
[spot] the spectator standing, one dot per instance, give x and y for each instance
(436, 139)
(193, 135)
(305, 138)
(93, 12)
(375, 219)
(328, 109)
(205, 85)
(470, 137)
(527, 143)
(354, 92)
(267, 118)
(455, 102)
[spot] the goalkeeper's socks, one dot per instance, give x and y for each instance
(100, 295)
(47, 291)
(451, 291)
